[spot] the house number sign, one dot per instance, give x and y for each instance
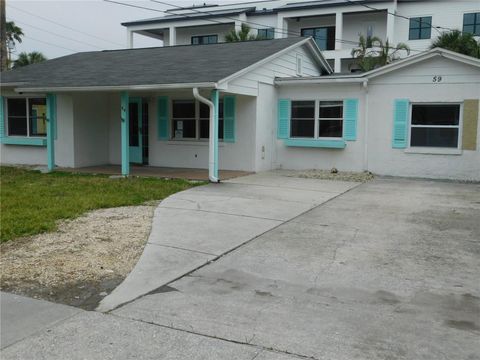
(437, 79)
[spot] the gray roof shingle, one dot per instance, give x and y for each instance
(148, 66)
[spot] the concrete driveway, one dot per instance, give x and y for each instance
(388, 270)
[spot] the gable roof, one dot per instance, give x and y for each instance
(399, 64)
(174, 65)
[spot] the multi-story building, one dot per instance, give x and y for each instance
(334, 24)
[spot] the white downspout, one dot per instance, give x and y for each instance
(365, 144)
(211, 140)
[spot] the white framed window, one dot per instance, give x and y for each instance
(316, 119)
(435, 125)
(191, 120)
(26, 116)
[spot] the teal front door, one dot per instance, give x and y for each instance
(135, 124)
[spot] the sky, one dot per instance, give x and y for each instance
(62, 27)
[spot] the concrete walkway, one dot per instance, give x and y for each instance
(197, 226)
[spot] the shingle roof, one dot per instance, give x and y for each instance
(148, 66)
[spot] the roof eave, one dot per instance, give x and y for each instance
(209, 85)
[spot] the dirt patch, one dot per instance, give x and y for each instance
(80, 263)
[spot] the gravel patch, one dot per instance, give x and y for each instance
(81, 262)
(334, 175)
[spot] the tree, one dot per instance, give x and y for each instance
(3, 38)
(25, 59)
(372, 53)
(460, 42)
(242, 35)
(13, 34)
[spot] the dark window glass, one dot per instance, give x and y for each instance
(331, 109)
(133, 124)
(420, 28)
(204, 39)
(183, 109)
(17, 117)
(435, 114)
(330, 128)
(184, 129)
(471, 23)
(323, 36)
(302, 122)
(37, 109)
(266, 33)
(303, 109)
(434, 137)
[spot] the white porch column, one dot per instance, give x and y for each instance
(242, 18)
(172, 36)
(129, 39)
(282, 27)
(337, 67)
(338, 30)
(391, 23)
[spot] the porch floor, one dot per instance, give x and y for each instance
(160, 172)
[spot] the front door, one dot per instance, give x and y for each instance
(135, 124)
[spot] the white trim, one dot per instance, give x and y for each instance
(212, 85)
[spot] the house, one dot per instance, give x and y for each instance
(334, 24)
(252, 106)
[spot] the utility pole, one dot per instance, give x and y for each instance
(3, 38)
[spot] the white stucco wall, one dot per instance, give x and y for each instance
(301, 158)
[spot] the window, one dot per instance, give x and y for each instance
(204, 39)
(184, 120)
(187, 114)
(302, 122)
(26, 116)
(435, 125)
(330, 116)
(471, 23)
(323, 36)
(205, 120)
(266, 34)
(420, 28)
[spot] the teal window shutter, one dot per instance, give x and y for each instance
(229, 118)
(2, 118)
(52, 111)
(350, 119)
(163, 118)
(400, 124)
(283, 118)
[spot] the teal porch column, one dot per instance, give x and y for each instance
(51, 120)
(124, 104)
(214, 128)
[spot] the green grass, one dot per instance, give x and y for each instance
(32, 202)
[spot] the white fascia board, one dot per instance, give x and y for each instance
(320, 80)
(266, 60)
(210, 85)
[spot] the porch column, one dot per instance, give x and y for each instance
(172, 36)
(129, 39)
(124, 103)
(338, 30)
(51, 119)
(213, 166)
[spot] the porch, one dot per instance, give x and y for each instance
(155, 171)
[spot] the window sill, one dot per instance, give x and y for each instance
(433, 151)
(316, 143)
(192, 142)
(29, 141)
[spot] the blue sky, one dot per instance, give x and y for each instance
(62, 27)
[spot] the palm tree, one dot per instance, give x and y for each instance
(25, 59)
(242, 35)
(13, 34)
(373, 53)
(460, 42)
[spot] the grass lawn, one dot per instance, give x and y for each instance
(32, 202)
